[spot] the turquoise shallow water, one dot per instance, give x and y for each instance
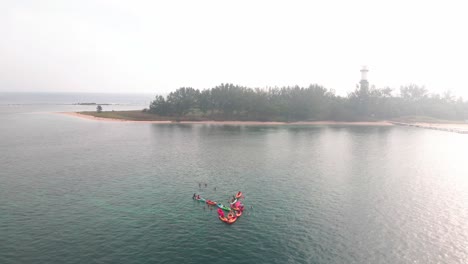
(83, 191)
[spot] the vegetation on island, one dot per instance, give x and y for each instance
(312, 103)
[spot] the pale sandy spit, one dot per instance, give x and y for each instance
(379, 123)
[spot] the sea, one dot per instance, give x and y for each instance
(75, 190)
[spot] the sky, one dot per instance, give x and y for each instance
(158, 46)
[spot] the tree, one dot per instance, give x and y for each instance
(204, 101)
(159, 106)
(183, 100)
(295, 103)
(413, 93)
(99, 109)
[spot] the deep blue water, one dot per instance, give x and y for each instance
(84, 191)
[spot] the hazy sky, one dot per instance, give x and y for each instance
(159, 46)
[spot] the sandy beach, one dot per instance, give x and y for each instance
(461, 128)
(449, 127)
(446, 126)
(379, 123)
(89, 117)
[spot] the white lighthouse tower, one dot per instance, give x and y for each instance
(364, 83)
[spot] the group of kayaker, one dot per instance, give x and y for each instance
(234, 211)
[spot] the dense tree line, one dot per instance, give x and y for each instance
(234, 102)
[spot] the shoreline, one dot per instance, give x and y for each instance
(212, 122)
(455, 127)
(448, 127)
(90, 117)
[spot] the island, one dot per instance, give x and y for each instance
(234, 104)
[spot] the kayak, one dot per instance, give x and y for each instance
(229, 221)
(210, 202)
(200, 200)
(238, 195)
(238, 213)
(235, 201)
(220, 212)
(223, 207)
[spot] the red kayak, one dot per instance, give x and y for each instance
(229, 220)
(238, 213)
(211, 202)
(238, 195)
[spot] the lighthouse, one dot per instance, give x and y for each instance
(364, 83)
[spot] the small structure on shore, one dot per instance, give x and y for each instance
(364, 83)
